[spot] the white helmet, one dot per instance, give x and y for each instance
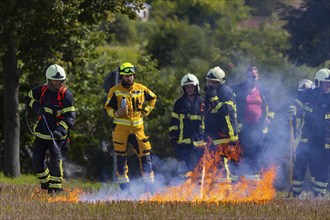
(190, 79)
(216, 74)
(55, 72)
(322, 75)
(304, 84)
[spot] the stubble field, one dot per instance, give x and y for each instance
(21, 201)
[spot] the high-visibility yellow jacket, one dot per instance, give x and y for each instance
(140, 101)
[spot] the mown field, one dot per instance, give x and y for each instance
(19, 200)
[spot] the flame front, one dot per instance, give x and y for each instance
(208, 183)
(67, 196)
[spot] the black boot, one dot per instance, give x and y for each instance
(54, 191)
(124, 186)
(44, 186)
(318, 194)
(296, 194)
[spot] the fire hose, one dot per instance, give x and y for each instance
(47, 126)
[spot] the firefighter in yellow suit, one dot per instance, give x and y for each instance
(128, 103)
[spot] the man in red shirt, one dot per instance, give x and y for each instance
(253, 116)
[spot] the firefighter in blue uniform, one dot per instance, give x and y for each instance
(314, 142)
(187, 124)
(220, 114)
(53, 103)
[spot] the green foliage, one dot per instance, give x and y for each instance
(309, 29)
(90, 40)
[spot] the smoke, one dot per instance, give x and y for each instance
(275, 149)
(72, 170)
(275, 152)
(166, 174)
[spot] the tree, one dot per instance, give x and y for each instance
(309, 29)
(34, 34)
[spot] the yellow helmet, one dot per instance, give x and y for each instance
(126, 69)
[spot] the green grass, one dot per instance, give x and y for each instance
(19, 201)
(29, 179)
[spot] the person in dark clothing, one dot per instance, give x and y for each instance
(53, 103)
(314, 142)
(187, 124)
(254, 114)
(220, 114)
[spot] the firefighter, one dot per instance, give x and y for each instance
(254, 116)
(128, 103)
(314, 142)
(53, 103)
(296, 110)
(187, 124)
(220, 113)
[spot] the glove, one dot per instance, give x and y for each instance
(211, 91)
(292, 111)
(145, 113)
(121, 112)
(59, 132)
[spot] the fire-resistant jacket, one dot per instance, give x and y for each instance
(319, 116)
(136, 95)
(220, 116)
(241, 90)
(187, 121)
(58, 108)
(300, 122)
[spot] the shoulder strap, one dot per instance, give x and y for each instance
(43, 90)
(61, 94)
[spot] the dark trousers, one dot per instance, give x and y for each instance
(251, 141)
(52, 173)
(317, 158)
(189, 154)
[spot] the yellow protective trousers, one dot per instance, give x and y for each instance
(122, 135)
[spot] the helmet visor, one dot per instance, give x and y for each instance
(128, 70)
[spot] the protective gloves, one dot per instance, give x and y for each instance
(145, 112)
(121, 112)
(59, 132)
(292, 111)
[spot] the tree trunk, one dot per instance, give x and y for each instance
(11, 113)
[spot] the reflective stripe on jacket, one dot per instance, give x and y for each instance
(58, 107)
(220, 116)
(187, 121)
(136, 96)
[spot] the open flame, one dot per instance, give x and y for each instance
(206, 183)
(67, 196)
